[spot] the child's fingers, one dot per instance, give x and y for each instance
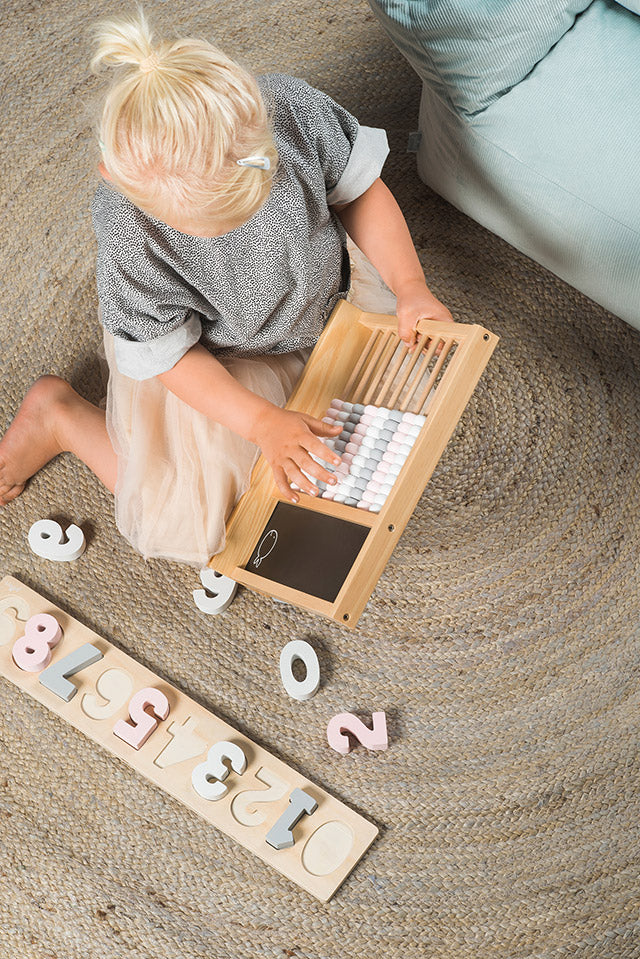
(307, 463)
(409, 337)
(320, 428)
(283, 485)
(295, 475)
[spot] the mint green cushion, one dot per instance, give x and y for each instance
(552, 166)
(472, 51)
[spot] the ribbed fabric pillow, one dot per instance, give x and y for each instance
(472, 51)
(632, 5)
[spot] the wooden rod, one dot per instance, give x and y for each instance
(385, 358)
(369, 368)
(434, 375)
(362, 360)
(407, 373)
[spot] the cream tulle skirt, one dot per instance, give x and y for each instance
(179, 473)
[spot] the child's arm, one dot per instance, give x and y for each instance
(286, 438)
(375, 223)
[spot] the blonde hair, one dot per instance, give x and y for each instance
(175, 121)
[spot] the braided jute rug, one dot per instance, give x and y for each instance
(501, 640)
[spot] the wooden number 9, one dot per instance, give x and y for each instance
(32, 652)
(19, 610)
(143, 723)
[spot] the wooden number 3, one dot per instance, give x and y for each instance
(143, 723)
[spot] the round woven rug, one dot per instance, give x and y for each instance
(501, 640)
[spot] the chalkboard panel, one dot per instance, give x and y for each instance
(308, 551)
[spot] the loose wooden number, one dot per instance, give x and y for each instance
(308, 687)
(143, 723)
(343, 723)
(32, 652)
(46, 539)
(221, 588)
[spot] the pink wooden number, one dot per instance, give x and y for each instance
(343, 723)
(143, 723)
(32, 651)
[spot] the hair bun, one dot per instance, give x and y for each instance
(126, 40)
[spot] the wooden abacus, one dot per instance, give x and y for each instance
(327, 556)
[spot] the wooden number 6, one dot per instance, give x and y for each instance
(143, 723)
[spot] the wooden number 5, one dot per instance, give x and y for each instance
(143, 723)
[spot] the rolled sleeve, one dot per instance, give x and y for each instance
(364, 166)
(141, 361)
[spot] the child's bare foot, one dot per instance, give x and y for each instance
(31, 440)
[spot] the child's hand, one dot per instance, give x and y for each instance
(286, 439)
(416, 302)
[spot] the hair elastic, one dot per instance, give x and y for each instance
(259, 163)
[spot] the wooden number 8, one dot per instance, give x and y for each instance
(32, 652)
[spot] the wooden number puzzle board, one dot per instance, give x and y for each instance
(327, 843)
(327, 556)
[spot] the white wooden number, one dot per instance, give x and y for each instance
(222, 588)
(307, 687)
(46, 540)
(207, 778)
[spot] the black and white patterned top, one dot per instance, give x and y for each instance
(266, 287)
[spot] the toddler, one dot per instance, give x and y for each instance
(221, 223)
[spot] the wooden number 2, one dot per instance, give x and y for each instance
(241, 807)
(143, 723)
(343, 723)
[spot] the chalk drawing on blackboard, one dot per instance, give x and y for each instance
(266, 544)
(314, 552)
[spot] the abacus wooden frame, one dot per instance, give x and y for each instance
(354, 359)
